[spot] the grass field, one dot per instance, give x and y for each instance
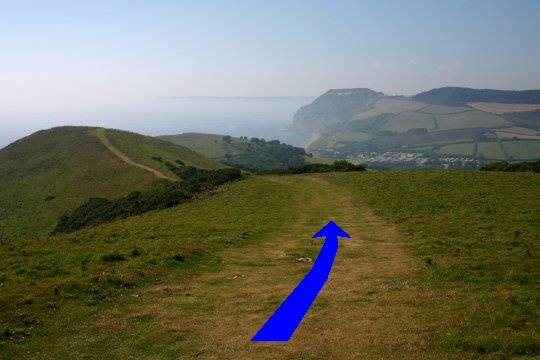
(522, 149)
(466, 149)
(469, 119)
(441, 109)
(409, 120)
(491, 150)
(334, 139)
(516, 132)
(431, 272)
(390, 106)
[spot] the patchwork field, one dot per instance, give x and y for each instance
(440, 116)
(415, 280)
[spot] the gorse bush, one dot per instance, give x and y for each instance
(533, 166)
(337, 166)
(161, 195)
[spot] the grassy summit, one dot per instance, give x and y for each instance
(51, 171)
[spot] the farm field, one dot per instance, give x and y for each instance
(517, 133)
(391, 106)
(523, 149)
(491, 150)
(398, 125)
(414, 279)
(444, 110)
(467, 149)
(409, 120)
(469, 119)
(499, 108)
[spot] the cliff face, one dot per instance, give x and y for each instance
(335, 105)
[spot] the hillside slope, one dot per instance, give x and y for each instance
(51, 171)
(441, 128)
(459, 96)
(335, 105)
(254, 153)
(415, 281)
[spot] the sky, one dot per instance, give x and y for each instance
(65, 59)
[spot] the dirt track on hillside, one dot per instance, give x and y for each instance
(367, 309)
(100, 133)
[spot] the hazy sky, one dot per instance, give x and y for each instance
(59, 57)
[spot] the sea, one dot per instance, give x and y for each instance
(262, 117)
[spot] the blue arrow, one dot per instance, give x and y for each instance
(282, 324)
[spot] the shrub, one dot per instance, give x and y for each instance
(337, 166)
(533, 166)
(162, 194)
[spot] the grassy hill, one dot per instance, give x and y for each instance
(254, 153)
(51, 171)
(430, 272)
(458, 96)
(440, 128)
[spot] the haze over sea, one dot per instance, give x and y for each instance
(266, 117)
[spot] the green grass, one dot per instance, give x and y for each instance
(491, 150)
(477, 237)
(337, 139)
(43, 175)
(409, 120)
(56, 290)
(210, 145)
(469, 119)
(474, 238)
(143, 149)
(458, 149)
(253, 153)
(522, 149)
(51, 171)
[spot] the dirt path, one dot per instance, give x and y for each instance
(100, 133)
(367, 309)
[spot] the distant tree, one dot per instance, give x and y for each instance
(227, 138)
